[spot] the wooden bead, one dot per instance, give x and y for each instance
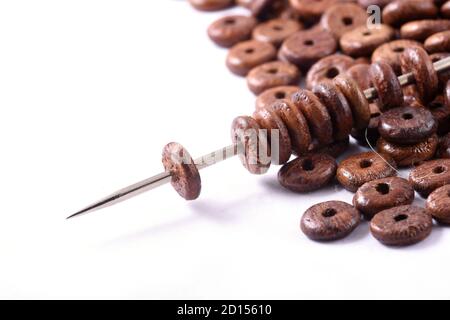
(401, 226)
(327, 69)
(445, 10)
(409, 155)
(306, 47)
(390, 53)
(438, 42)
(311, 11)
(443, 76)
(385, 81)
(211, 5)
(360, 73)
(343, 17)
(422, 29)
(185, 177)
(357, 100)
(316, 114)
(430, 175)
(272, 74)
(360, 168)
(362, 41)
(399, 12)
(275, 31)
(308, 173)
(417, 61)
(381, 194)
(331, 220)
(338, 108)
(255, 155)
(438, 204)
(295, 123)
(407, 125)
(228, 31)
(270, 96)
(281, 149)
(246, 55)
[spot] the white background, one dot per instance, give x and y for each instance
(90, 92)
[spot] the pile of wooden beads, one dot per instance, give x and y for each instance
(331, 43)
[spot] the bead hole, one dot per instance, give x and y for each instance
(308, 165)
(332, 73)
(400, 217)
(330, 212)
(366, 163)
(308, 42)
(366, 33)
(399, 49)
(277, 28)
(229, 21)
(249, 50)
(407, 116)
(375, 115)
(439, 170)
(347, 21)
(280, 95)
(272, 71)
(382, 188)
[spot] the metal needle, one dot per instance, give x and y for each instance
(217, 156)
(156, 181)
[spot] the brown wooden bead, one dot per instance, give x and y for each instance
(399, 12)
(378, 195)
(308, 173)
(443, 150)
(306, 47)
(327, 69)
(407, 125)
(246, 55)
(357, 100)
(430, 175)
(362, 60)
(211, 5)
(370, 134)
(379, 3)
(185, 177)
(276, 31)
(441, 114)
(296, 125)
(360, 168)
(438, 42)
(362, 41)
(270, 96)
(409, 155)
(338, 108)
(385, 81)
(401, 226)
(228, 31)
(390, 53)
(438, 204)
(316, 114)
(268, 119)
(417, 61)
(331, 220)
(343, 17)
(422, 29)
(255, 155)
(311, 11)
(445, 10)
(272, 74)
(360, 73)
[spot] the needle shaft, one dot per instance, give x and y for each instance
(216, 156)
